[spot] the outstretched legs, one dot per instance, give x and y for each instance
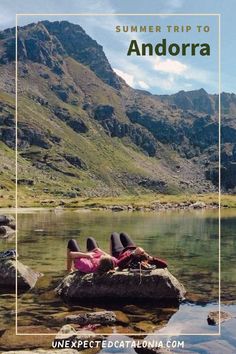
(116, 244)
(72, 246)
(91, 244)
(119, 242)
(126, 240)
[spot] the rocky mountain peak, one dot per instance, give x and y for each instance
(49, 42)
(84, 49)
(196, 100)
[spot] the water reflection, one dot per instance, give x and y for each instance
(188, 240)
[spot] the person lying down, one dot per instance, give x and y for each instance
(124, 255)
(94, 260)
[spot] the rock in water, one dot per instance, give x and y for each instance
(26, 277)
(7, 226)
(6, 220)
(101, 317)
(159, 284)
(216, 317)
(6, 231)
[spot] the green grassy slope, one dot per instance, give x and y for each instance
(84, 133)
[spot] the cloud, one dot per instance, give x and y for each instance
(6, 19)
(178, 75)
(170, 66)
(161, 75)
(174, 77)
(143, 85)
(170, 6)
(175, 4)
(132, 79)
(129, 79)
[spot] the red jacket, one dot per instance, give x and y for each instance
(124, 258)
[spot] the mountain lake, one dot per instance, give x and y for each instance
(188, 240)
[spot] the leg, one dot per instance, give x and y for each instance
(91, 244)
(71, 247)
(116, 245)
(126, 240)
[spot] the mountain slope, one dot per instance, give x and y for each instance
(83, 131)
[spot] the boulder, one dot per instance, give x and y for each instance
(7, 226)
(118, 208)
(6, 231)
(159, 285)
(198, 205)
(6, 219)
(26, 277)
(216, 317)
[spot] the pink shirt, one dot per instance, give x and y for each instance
(87, 265)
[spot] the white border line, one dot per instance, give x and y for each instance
(16, 167)
(219, 143)
(117, 14)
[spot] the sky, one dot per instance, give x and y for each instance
(157, 74)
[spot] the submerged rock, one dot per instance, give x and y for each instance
(159, 284)
(66, 331)
(144, 350)
(26, 277)
(69, 333)
(122, 318)
(9, 341)
(101, 317)
(145, 326)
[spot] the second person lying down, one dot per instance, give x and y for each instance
(129, 255)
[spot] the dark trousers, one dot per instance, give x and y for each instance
(91, 244)
(120, 242)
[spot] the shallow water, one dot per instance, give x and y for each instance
(187, 239)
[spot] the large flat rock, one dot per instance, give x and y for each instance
(159, 284)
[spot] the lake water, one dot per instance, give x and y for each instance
(188, 240)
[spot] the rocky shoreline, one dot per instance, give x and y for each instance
(156, 206)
